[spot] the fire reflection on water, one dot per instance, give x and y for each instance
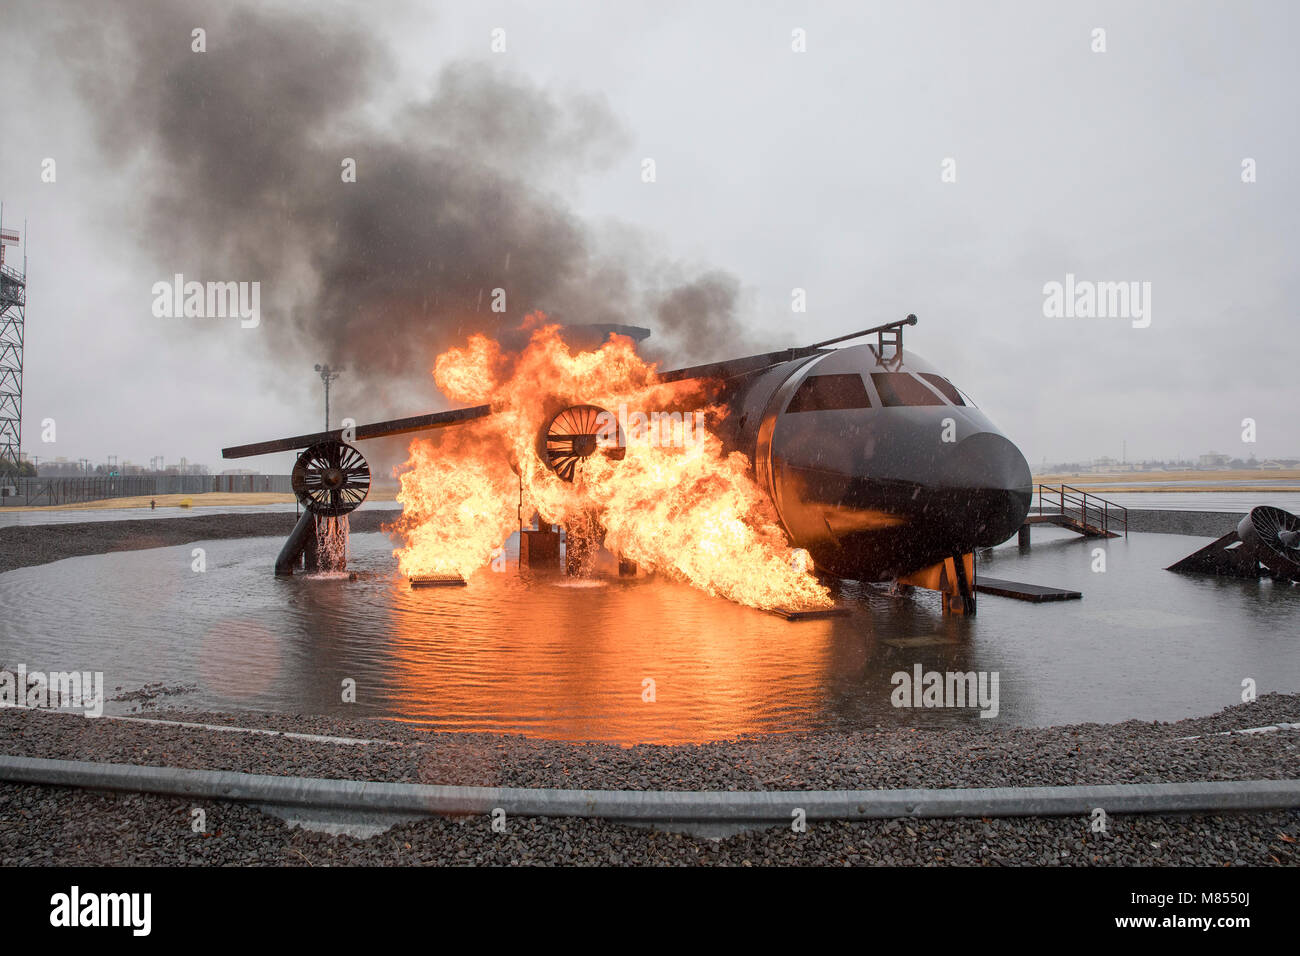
(630, 661)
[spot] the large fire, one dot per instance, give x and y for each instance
(674, 503)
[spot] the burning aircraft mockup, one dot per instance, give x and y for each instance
(863, 458)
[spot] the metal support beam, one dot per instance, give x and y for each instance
(300, 539)
(13, 325)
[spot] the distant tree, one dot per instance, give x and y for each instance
(25, 469)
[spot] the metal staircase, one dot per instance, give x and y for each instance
(1090, 515)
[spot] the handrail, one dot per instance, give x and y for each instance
(1077, 499)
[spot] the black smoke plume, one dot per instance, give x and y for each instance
(238, 155)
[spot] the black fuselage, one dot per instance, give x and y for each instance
(877, 467)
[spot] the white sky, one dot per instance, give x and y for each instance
(818, 170)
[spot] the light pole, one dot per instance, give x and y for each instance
(328, 375)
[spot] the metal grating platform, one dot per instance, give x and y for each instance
(1036, 593)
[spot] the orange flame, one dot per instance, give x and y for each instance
(676, 502)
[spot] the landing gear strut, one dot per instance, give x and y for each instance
(953, 578)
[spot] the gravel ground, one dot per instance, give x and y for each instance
(48, 825)
(25, 545)
(77, 827)
(1131, 752)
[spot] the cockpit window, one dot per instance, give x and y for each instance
(945, 387)
(900, 388)
(823, 393)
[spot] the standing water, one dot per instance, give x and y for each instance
(647, 659)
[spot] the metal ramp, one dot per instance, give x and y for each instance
(1034, 593)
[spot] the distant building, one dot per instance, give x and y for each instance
(61, 468)
(183, 467)
(1213, 460)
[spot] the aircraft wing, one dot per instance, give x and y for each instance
(732, 368)
(396, 426)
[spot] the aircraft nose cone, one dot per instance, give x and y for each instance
(988, 460)
(994, 478)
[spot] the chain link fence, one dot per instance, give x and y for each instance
(61, 491)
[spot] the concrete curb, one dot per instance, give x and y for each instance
(1204, 524)
(654, 805)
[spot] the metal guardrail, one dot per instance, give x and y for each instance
(1091, 511)
(13, 287)
(754, 807)
(61, 491)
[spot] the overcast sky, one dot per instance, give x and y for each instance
(775, 170)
